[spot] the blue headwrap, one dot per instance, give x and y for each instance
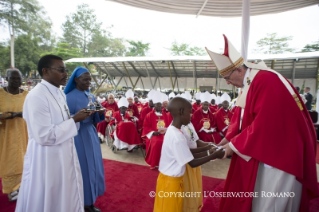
(71, 83)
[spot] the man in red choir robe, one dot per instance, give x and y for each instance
(131, 109)
(204, 122)
(273, 151)
(143, 114)
(138, 104)
(164, 109)
(110, 107)
(213, 107)
(154, 129)
(197, 104)
(223, 117)
(125, 133)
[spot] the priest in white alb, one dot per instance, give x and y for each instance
(51, 179)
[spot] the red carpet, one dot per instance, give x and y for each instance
(317, 155)
(128, 187)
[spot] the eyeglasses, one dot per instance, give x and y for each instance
(62, 70)
(228, 77)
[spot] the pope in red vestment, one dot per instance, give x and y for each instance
(288, 143)
(110, 107)
(153, 123)
(223, 117)
(273, 146)
(205, 121)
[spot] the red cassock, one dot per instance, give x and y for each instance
(223, 119)
(109, 109)
(139, 107)
(196, 106)
(153, 122)
(125, 129)
(168, 114)
(145, 105)
(133, 111)
(213, 108)
(200, 120)
(282, 138)
(143, 114)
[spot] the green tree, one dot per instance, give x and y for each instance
(272, 44)
(21, 17)
(79, 27)
(65, 51)
(27, 54)
(185, 49)
(103, 45)
(137, 48)
(5, 58)
(311, 47)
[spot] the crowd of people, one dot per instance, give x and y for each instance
(51, 155)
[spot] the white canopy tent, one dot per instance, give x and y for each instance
(222, 8)
(194, 71)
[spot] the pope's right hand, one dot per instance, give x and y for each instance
(223, 142)
(81, 115)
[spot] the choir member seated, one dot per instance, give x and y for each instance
(125, 133)
(138, 104)
(110, 107)
(204, 121)
(154, 128)
(223, 115)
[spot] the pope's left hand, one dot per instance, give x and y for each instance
(228, 151)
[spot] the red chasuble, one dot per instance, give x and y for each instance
(153, 122)
(143, 114)
(223, 119)
(139, 107)
(125, 129)
(133, 111)
(213, 108)
(282, 138)
(195, 106)
(199, 120)
(109, 109)
(145, 105)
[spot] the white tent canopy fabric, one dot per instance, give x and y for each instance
(218, 8)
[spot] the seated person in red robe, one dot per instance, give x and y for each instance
(204, 121)
(144, 112)
(110, 107)
(223, 117)
(138, 104)
(213, 107)
(154, 129)
(132, 109)
(125, 133)
(197, 104)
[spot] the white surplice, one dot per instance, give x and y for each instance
(51, 179)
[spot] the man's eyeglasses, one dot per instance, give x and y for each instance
(228, 77)
(62, 70)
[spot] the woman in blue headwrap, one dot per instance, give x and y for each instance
(86, 142)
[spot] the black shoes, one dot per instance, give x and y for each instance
(92, 208)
